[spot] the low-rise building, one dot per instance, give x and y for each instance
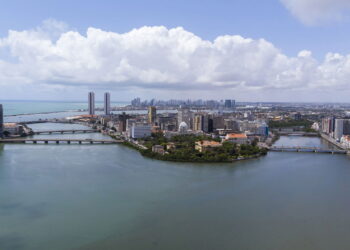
(239, 138)
(345, 141)
(159, 149)
(10, 129)
(204, 146)
(170, 146)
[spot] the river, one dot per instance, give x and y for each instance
(110, 197)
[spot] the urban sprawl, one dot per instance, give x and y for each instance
(205, 130)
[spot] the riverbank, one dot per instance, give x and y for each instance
(192, 156)
(332, 141)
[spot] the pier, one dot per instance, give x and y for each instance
(307, 150)
(59, 141)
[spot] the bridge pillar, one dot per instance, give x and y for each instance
(57, 142)
(46, 142)
(79, 142)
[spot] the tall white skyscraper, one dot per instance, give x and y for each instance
(107, 103)
(91, 103)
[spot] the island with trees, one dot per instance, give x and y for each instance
(196, 148)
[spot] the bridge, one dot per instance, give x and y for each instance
(297, 133)
(307, 150)
(67, 131)
(58, 141)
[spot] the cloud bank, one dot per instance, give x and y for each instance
(160, 58)
(313, 12)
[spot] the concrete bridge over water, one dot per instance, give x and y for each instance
(307, 150)
(59, 140)
(66, 131)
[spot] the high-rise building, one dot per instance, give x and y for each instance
(107, 103)
(228, 104)
(91, 103)
(152, 114)
(198, 123)
(122, 121)
(338, 128)
(233, 104)
(184, 115)
(136, 102)
(1, 121)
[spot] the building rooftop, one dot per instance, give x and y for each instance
(208, 143)
(236, 136)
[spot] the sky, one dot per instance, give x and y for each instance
(271, 50)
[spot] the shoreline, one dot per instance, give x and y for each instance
(142, 152)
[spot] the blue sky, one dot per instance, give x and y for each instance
(285, 24)
(268, 19)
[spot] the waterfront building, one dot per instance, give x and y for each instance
(327, 125)
(170, 146)
(140, 131)
(91, 103)
(107, 103)
(204, 146)
(341, 127)
(262, 130)
(10, 129)
(1, 121)
(152, 114)
(338, 129)
(345, 141)
(159, 149)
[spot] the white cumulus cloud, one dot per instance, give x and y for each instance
(313, 12)
(160, 58)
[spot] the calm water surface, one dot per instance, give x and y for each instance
(110, 197)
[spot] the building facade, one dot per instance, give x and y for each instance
(107, 103)
(140, 131)
(91, 103)
(152, 114)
